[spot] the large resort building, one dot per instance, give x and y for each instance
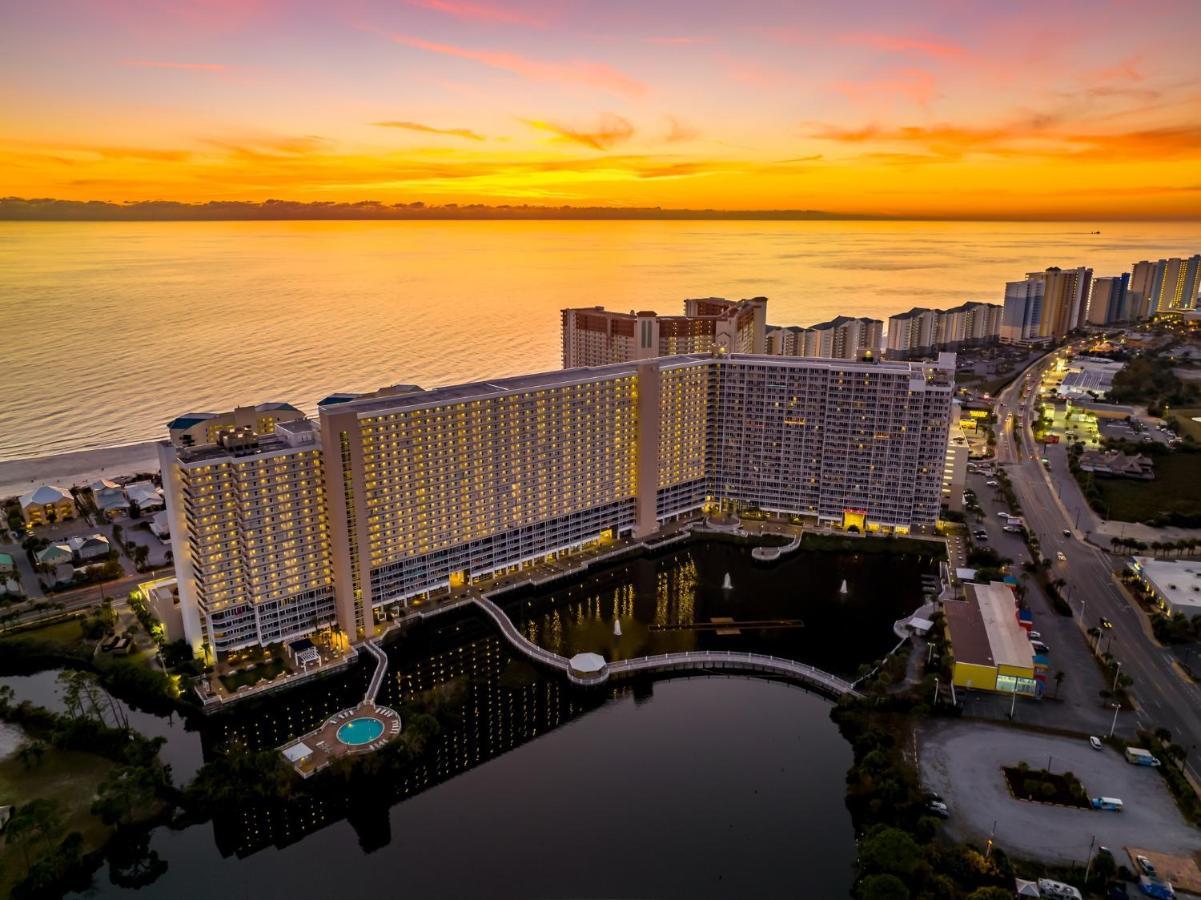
(922, 331)
(396, 494)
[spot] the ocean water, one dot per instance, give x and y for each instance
(109, 330)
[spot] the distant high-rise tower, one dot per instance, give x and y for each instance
(1046, 306)
(1167, 285)
(1107, 304)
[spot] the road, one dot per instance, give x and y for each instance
(79, 598)
(1050, 506)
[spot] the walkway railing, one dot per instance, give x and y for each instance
(381, 667)
(699, 659)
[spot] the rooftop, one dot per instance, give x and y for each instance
(47, 493)
(985, 629)
(1177, 581)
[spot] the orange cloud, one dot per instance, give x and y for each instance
(896, 43)
(466, 133)
(611, 129)
(159, 64)
(678, 132)
(1035, 138)
(478, 12)
(596, 75)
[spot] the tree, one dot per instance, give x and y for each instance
(883, 887)
(1163, 735)
(889, 850)
(991, 892)
(30, 753)
(39, 821)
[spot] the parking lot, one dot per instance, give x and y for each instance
(962, 761)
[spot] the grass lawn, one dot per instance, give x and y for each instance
(68, 776)
(1184, 421)
(69, 631)
(1176, 488)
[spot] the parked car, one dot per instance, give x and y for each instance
(991, 482)
(1145, 865)
(1002, 515)
(938, 808)
(1061, 556)
(1067, 532)
(1040, 647)
(1095, 743)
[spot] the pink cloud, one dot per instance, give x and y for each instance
(478, 12)
(898, 43)
(915, 85)
(597, 75)
(160, 64)
(679, 40)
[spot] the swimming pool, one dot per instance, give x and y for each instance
(360, 731)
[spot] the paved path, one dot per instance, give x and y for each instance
(381, 667)
(962, 761)
(702, 659)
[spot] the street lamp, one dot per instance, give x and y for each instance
(1117, 672)
(1114, 723)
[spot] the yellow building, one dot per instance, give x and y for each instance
(991, 650)
(47, 504)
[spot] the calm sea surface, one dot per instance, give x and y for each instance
(108, 330)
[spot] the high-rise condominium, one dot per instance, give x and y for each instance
(1046, 305)
(922, 331)
(594, 336)
(844, 337)
(1167, 285)
(1108, 302)
(405, 491)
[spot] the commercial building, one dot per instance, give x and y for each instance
(1167, 285)
(594, 336)
(991, 647)
(843, 337)
(1108, 302)
(47, 504)
(1046, 305)
(1088, 377)
(403, 492)
(922, 331)
(1176, 584)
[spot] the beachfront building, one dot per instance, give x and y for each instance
(843, 337)
(407, 491)
(594, 336)
(1166, 285)
(1109, 301)
(110, 499)
(1046, 305)
(198, 428)
(990, 645)
(250, 535)
(922, 331)
(46, 504)
(1175, 583)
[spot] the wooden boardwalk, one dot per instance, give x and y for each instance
(698, 660)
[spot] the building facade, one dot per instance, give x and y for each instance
(1108, 301)
(922, 331)
(594, 336)
(1167, 285)
(844, 337)
(1046, 305)
(401, 493)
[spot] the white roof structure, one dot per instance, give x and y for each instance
(160, 525)
(297, 752)
(1007, 640)
(54, 553)
(93, 543)
(587, 663)
(1176, 582)
(46, 494)
(145, 495)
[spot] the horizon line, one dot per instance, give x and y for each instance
(20, 209)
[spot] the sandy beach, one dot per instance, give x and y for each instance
(18, 476)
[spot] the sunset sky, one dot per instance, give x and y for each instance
(926, 108)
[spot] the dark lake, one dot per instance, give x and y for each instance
(692, 787)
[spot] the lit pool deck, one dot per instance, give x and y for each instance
(350, 732)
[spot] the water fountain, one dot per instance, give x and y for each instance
(617, 627)
(727, 584)
(843, 590)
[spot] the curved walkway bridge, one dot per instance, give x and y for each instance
(707, 660)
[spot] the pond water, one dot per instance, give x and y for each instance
(680, 601)
(688, 787)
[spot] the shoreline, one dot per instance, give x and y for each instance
(77, 467)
